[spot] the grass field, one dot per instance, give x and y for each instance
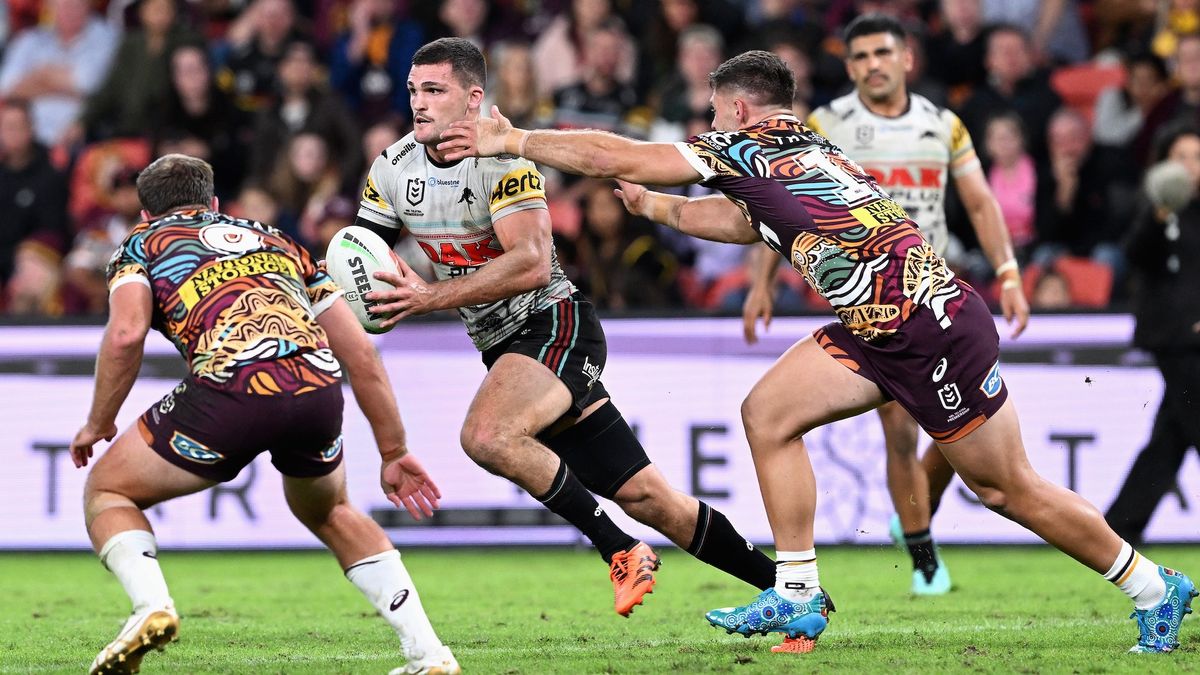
(550, 611)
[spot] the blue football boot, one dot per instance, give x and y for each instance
(1159, 625)
(802, 622)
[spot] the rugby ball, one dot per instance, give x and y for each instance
(355, 254)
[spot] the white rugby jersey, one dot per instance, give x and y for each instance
(449, 210)
(909, 155)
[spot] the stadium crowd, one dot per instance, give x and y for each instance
(290, 100)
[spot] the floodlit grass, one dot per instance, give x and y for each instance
(550, 611)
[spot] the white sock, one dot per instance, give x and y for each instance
(132, 556)
(796, 574)
(1137, 576)
(386, 583)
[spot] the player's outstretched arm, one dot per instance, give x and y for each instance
(712, 217)
(117, 364)
(404, 481)
(598, 154)
(988, 222)
(760, 300)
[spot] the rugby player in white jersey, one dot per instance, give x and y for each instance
(910, 146)
(541, 417)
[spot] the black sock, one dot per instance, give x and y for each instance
(920, 547)
(568, 498)
(718, 544)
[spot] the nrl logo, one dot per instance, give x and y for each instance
(415, 193)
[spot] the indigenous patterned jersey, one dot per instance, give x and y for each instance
(449, 210)
(852, 243)
(239, 299)
(908, 155)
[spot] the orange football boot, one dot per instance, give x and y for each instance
(632, 574)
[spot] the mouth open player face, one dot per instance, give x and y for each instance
(439, 98)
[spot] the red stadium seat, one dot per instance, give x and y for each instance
(1079, 85)
(1090, 282)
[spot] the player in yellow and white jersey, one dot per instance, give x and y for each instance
(542, 417)
(911, 147)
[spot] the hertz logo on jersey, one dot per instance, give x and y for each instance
(516, 186)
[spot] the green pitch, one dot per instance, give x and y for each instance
(550, 611)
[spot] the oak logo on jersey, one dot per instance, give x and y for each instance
(516, 186)
(462, 254)
(415, 193)
(878, 213)
(371, 195)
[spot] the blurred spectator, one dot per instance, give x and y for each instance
(514, 90)
(659, 48)
(558, 53)
(1014, 83)
(1013, 179)
(1073, 211)
(483, 22)
(600, 99)
(338, 212)
(196, 108)
(33, 231)
(1055, 27)
(257, 40)
(376, 139)
(303, 181)
(797, 60)
(83, 268)
(255, 203)
(1164, 256)
(1176, 18)
(3, 26)
(139, 79)
(956, 53)
(370, 62)
(918, 78)
(685, 94)
(56, 67)
(302, 105)
(1050, 292)
(93, 177)
(626, 267)
(1120, 111)
(1119, 115)
(1180, 105)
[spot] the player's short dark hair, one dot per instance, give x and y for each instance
(760, 74)
(871, 24)
(465, 59)
(172, 181)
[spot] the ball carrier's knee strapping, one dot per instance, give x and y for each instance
(601, 450)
